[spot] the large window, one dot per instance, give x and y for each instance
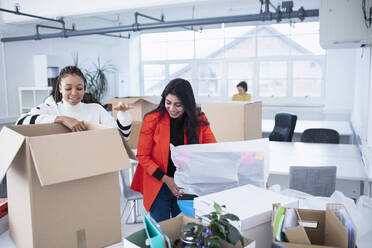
(280, 62)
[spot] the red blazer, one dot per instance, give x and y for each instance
(153, 153)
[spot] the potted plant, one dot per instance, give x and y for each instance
(219, 229)
(96, 79)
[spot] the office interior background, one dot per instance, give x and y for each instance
(283, 63)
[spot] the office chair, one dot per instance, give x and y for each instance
(284, 127)
(129, 195)
(320, 135)
(317, 181)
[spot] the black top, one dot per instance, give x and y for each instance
(176, 138)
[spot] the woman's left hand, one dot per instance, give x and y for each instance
(122, 107)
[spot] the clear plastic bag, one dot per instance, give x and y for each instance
(206, 168)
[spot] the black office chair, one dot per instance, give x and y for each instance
(317, 181)
(285, 124)
(320, 135)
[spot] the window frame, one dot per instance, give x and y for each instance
(288, 100)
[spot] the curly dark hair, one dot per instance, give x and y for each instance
(68, 70)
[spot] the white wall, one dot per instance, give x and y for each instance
(19, 60)
(362, 83)
(3, 87)
(362, 108)
(340, 81)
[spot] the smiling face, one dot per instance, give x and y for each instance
(174, 106)
(241, 90)
(72, 89)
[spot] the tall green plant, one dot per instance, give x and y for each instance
(97, 79)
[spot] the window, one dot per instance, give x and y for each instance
(154, 79)
(240, 71)
(307, 78)
(209, 78)
(273, 78)
(280, 62)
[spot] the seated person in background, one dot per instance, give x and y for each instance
(69, 110)
(242, 95)
(175, 121)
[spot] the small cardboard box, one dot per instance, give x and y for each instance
(234, 121)
(142, 105)
(134, 135)
(172, 228)
(253, 206)
(326, 229)
(63, 188)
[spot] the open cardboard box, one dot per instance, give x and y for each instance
(142, 105)
(319, 229)
(172, 228)
(63, 188)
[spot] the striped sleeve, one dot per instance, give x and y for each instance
(124, 123)
(41, 114)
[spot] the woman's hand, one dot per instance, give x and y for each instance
(122, 107)
(169, 181)
(73, 124)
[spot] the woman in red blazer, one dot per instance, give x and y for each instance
(175, 121)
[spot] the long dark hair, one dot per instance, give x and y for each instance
(68, 70)
(182, 89)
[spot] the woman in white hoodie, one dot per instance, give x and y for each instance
(68, 109)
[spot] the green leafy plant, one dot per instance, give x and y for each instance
(219, 228)
(97, 79)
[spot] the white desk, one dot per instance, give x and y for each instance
(342, 127)
(347, 159)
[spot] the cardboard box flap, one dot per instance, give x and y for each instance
(129, 151)
(335, 231)
(10, 143)
(152, 99)
(297, 235)
(134, 99)
(130, 100)
(70, 156)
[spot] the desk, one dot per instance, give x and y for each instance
(347, 158)
(342, 127)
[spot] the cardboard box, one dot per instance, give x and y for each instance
(172, 228)
(234, 121)
(142, 105)
(326, 231)
(252, 205)
(134, 135)
(63, 188)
